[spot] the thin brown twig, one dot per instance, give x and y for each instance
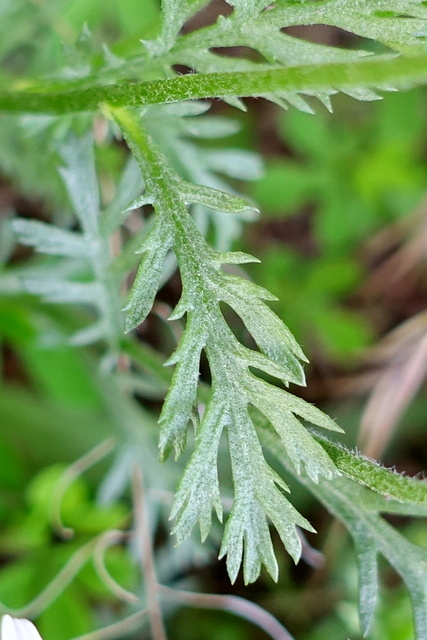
(233, 604)
(143, 538)
(108, 539)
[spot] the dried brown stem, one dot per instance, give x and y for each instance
(143, 538)
(233, 604)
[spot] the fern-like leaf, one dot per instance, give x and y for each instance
(235, 384)
(398, 25)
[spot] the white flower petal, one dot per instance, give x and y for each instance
(18, 629)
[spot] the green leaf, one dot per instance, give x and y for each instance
(63, 291)
(48, 239)
(360, 510)
(234, 369)
(94, 282)
(214, 199)
(290, 65)
(178, 407)
(79, 177)
(155, 249)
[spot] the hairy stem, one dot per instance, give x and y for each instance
(371, 474)
(384, 71)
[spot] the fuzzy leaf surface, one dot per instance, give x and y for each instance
(234, 370)
(361, 509)
(95, 285)
(289, 65)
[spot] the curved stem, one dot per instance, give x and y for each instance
(234, 604)
(371, 474)
(70, 474)
(108, 539)
(55, 588)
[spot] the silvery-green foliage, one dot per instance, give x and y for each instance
(176, 128)
(183, 183)
(361, 509)
(235, 386)
(89, 248)
(398, 25)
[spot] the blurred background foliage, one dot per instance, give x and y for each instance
(342, 239)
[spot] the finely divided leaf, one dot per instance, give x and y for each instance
(212, 198)
(48, 239)
(198, 491)
(91, 282)
(234, 370)
(64, 291)
(289, 66)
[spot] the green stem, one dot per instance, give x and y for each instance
(382, 71)
(371, 474)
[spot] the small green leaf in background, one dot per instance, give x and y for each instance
(71, 606)
(77, 510)
(61, 374)
(355, 178)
